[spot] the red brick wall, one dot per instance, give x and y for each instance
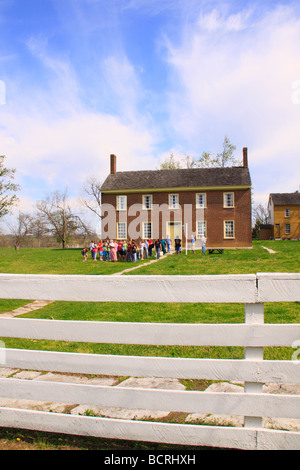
(214, 214)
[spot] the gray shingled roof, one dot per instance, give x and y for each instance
(283, 199)
(193, 177)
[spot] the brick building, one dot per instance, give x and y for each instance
(215, 202)
(284, 210)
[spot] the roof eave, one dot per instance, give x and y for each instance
(176, 189)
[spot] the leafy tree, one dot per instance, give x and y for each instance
(170, 163)
(222, 159)
(207, 160)
(7, 188)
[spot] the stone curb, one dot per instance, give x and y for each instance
(146, 383)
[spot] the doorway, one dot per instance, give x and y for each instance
(174, 229)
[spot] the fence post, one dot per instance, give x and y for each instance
(254, 313)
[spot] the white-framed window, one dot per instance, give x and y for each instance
(121, 231)
(200, 200)
(229, 229)
(228, 200)
(287, 229)
(121, 203)
(173, 201)
(287, 213)
(147, 201)
(147, 230)
(201, 228)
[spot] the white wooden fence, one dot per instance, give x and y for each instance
(253, 370)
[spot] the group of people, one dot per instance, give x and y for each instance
(130, 250)
(126, 250)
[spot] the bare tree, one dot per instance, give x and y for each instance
(39, 227)
(61, 220)
(21, 229)
(260, 215)
(91, 196)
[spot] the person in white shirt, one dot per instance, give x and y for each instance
(193, 244)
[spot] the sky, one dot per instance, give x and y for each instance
(82, 79)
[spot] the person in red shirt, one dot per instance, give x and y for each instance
(150, 247)
(100, 249)
(120, 248)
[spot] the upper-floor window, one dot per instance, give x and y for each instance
(173, 201)
(200, 201)
(287, 213)
(228, 200)
(147, 201)
(121, 203)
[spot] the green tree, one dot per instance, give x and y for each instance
(222, 159)
(8, 188)
(170, 163)
(207, 160)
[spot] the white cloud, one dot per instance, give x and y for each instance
(234, 76)
(53, 140)
(73, 147)
(216, 21)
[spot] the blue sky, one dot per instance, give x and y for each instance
(144, 78)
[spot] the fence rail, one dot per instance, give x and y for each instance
(253, 370)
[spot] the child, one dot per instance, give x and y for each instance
(95, 250)
(84, 254)
(100, 248)
(104, 250)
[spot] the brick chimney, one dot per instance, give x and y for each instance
(245, 157)
(113, 164)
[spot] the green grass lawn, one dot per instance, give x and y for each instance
(250, 261)
(56, 261)
(69, 261)
(157, 313)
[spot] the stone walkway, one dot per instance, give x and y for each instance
(146, 383)
(269, 250)
(143, 265)
(35, 305)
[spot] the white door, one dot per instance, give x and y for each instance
(174, 229)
